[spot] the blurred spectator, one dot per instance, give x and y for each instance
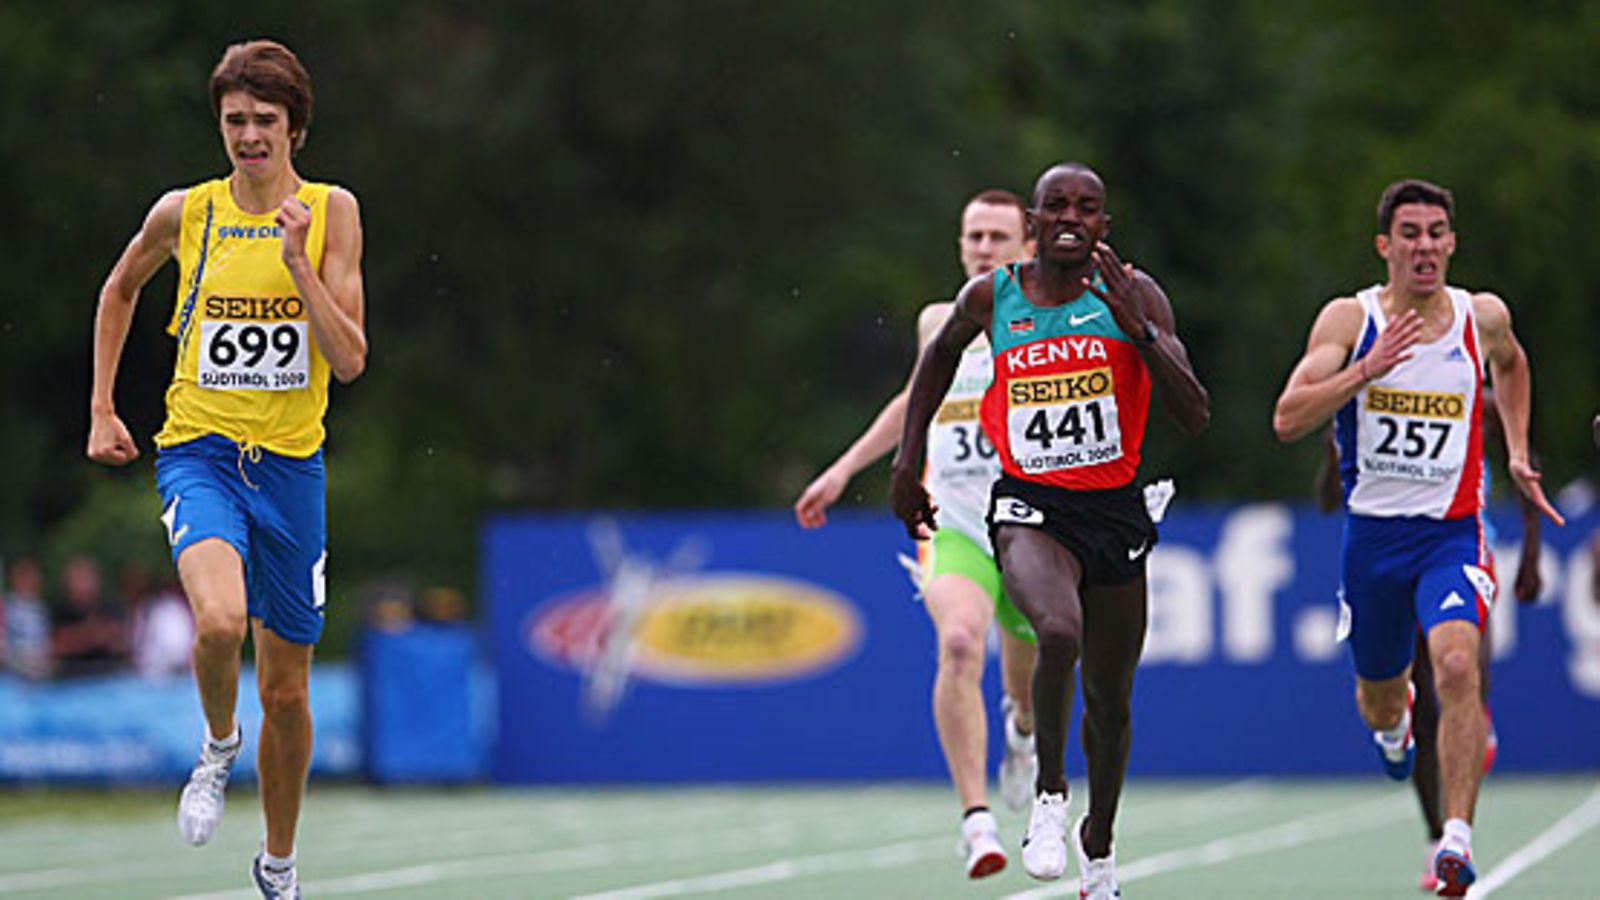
(389, 606)
(89, 637)
(26, 645)
(442, 604)
(160, 624)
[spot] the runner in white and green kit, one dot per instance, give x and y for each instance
(959, 580)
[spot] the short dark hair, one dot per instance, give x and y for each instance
(1412, 190)
(266, 70)
(1075, 167)
(998, 197)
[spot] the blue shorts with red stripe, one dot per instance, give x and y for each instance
(1408, 572)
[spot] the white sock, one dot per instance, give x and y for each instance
(277, 863)
(227, 743)
(1457, 834)
(1396, 736)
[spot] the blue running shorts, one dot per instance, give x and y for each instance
(272, 509)
(1404, 573)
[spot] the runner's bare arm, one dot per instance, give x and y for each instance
(936, 369)
(1528, 583)
(1326, 487)
(1324, 380)
(810, 510)
(156, 241)
(1508, 367)
(1137, 301)
(880, 437)
(335, 296)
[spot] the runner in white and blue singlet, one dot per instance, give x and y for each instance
(1399, 368)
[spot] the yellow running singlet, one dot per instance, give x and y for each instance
(248, 367)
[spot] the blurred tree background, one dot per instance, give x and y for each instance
(627, 254)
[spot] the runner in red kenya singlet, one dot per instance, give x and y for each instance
(1079, 338)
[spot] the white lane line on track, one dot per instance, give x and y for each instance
(901, 854)
(1326, 824)
(1571, 827)
(1239, 793)
(1304, 830)
(772, 836)
(743, 840)
(39, 878)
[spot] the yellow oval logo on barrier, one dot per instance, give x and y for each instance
(710, 629)
(741, 628)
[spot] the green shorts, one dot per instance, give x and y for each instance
(956, 554)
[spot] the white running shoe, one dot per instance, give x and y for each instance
(980, 842)
(274, 884)
(200, 805)
(1044, 850)
(1019, 768)
(1097, 878)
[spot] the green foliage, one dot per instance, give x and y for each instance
(628, 254)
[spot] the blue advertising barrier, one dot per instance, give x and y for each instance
(767, 660)
(424, 697)
(130, 729)
(735, 646)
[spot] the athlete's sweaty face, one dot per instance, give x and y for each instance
(255, 133)
(1417, 248)
(992, 235)
(1069, 215)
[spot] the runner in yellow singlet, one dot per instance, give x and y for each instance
(270, 303)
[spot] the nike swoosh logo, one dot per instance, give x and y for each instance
(1076, 320)
(178, 536)
(1452, 601)
(1136, 552)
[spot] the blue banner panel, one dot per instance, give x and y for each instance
(706, 647)
(1242, 674)
(736, 646)
(418, 690)
(130, 729)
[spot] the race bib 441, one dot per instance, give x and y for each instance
(1063, 421)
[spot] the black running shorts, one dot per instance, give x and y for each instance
(1109, 531)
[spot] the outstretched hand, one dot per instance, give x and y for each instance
(1527, 480)
(1123, 293)
(911, 503)
(1393, 345)
(811, 510)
